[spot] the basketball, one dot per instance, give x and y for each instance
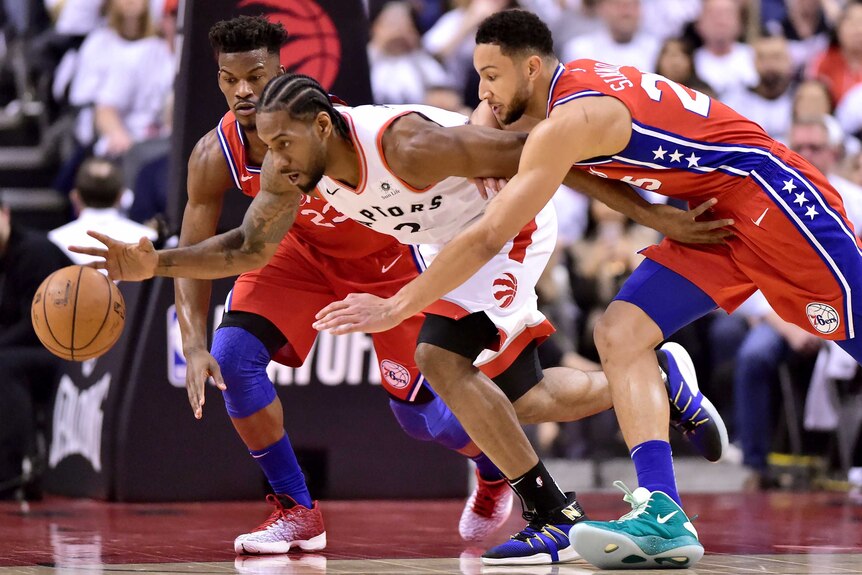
(78, 313)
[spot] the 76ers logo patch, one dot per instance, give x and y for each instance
(505, 289)
(396, 375)
(823, 317)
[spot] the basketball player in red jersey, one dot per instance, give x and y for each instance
(792, 241)
(269, 311)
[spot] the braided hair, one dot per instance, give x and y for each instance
(303, 98)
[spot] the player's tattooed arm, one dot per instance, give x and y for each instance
(248, 247)
(243, 249)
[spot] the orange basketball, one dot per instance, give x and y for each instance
(78, 313)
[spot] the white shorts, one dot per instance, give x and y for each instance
(505, 289)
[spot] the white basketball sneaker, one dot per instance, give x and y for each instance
(486, 510)
(289, 525)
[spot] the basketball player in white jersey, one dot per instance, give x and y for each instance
(402, 171)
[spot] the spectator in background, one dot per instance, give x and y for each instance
(29, 371)
(812, 99)
(98, 187)
(805, 27)
(401, 71)
(770, 102)
(723, 62)
(676, 62)
(447, 98)
(668, 18)
(451, 41)
(849, 111)
(619, 40)
(840, 66)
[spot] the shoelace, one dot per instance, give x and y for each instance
(638, 507)
(277, 513)
(485, 501)
(534, 530)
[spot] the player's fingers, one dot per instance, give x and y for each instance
(703, 207)
(335, 319)
(100, 252)
(218, 380)
(334, 306)
(480, 186)
(714, 224)
(107, 240)
(345, 329)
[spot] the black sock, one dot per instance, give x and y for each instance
(539, 493)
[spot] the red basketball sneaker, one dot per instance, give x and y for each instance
(487, 508)
(289, 525)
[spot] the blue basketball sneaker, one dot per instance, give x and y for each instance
(545, 540)
(656, 533)
(691, 413)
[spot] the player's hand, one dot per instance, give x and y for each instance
(200, 367)
(130, 262)
(489, 187)
(683, 225)
(358, 312)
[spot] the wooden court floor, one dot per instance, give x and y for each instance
(786, 532)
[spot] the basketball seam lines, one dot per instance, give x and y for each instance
(107, 313)
(75, 312)
(45, 313)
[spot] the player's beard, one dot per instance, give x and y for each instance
(315, 174)
(518, 106)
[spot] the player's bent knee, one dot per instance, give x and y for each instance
(528, 407)
(437, 365)
(616, 331)
(243, 360)
(431, 421)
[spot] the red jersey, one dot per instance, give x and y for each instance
(678, 134)
(316, 219)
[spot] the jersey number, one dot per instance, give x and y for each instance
(319, 219)
(648, 184)
(699, 104)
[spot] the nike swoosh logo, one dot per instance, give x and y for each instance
(266, 452)
(665, 519)
(595, 172)
(760, 219)
(385, 269)
(245, 178)
(331, 193)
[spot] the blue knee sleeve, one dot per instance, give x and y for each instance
(430, 421)
(669, 299)
(243, 360)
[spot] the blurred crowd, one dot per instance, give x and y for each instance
(103, 70)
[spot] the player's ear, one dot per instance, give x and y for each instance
(323, 123)
(534, 66)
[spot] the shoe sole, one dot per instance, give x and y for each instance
(610, 550)
(566, 555)
(686, 368)
(316, 543)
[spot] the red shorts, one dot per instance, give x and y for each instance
(299, 281)
(793, 242)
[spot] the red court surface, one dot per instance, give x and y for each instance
(786, 532)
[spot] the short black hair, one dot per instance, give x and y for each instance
(245, 34)
(516, 31)
(303, 98)
(99, 183)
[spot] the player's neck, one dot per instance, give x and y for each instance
(342, 162)
(537, 106)
(255, 148)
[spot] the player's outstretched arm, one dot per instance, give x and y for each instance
(680, 225)
(602, 126)
(242, 249)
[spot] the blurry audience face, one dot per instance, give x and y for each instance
(850, 29)
(810, 140)
(242, 77)
(622, 18)
(720, 24)
(504, 82)
(446, 99)
(130, 18)
(394, 32)
(674, 61)
(812, 99)
(855, 169)
(773, 63)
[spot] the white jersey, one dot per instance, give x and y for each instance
(388, 205)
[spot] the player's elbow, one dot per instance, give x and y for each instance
(491, 240)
